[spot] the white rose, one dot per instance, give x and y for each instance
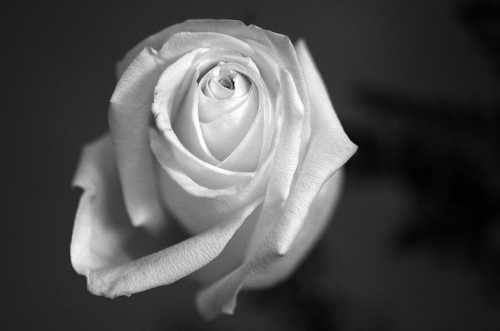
(229, 128)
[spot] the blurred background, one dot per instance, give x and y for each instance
(415, 241)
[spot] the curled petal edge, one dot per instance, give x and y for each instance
(321, 211)
(223, 26)
(168, 265)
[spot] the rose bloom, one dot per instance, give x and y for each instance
(227, 129)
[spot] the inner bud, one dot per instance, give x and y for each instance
(227, 82)
(223, 82)
(228, 106)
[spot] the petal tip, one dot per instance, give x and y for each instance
(352, 148)
(229, 308)
(79, 267)
(204, 308)
(97, 286)
(283, 248)
(93, 285)
(301, 42)
(209, 311)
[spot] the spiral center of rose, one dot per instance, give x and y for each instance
(227, 108)
(218, 119)
(222, 82)
(227, 82)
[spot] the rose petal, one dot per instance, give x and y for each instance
(198, 207)
(173, 156)
(320, 213)
(212, 108)
(328, 150)
(168, 265)
(183, 42)
(174, 103)
(268, 65)
(223, 134)
(287, 56)
(129, 116)
(103, 235)
(232, 256)
(231, 27)
(245, 157)
(186, 124)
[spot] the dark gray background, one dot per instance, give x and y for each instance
(415, 243)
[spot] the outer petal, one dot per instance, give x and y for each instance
(129, 117)
(285, 52)
(183, 42)
(168, 265)
(103, 235)
(231, 27)
(329, 148)
(319, 215)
